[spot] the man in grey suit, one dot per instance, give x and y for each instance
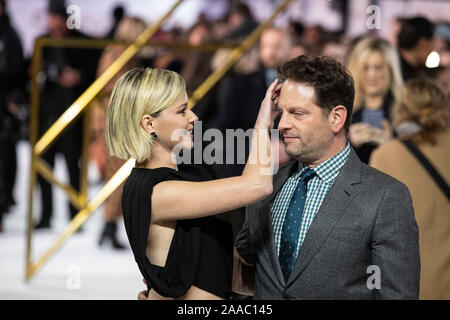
(334, 228)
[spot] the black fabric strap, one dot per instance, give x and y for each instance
(429, 167)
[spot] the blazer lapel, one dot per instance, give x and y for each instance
(333, 206)
(278, 182)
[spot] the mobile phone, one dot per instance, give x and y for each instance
(373, 117)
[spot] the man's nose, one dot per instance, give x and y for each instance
(284, 122)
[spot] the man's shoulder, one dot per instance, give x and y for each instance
(377, 179)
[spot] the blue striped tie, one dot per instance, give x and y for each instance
(291, 226)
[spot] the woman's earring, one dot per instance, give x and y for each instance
(154, 135)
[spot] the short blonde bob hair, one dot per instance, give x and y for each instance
(359, 55)
(137, 93)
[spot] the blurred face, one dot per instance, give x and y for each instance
(336, 51)
(177, 121)
(306, 132)
(198, 36)
(376, 76)
(274, 48)
(311, 35)
(424, 48)
(56, 25)
(235, 20)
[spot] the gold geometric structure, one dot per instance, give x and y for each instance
(81, 105)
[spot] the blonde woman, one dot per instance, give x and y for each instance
(421, 118)
(182, 251)
(375, 67)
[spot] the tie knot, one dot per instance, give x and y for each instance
(307, 175)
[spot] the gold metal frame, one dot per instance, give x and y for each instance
(38, 147)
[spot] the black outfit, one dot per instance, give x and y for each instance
(12, 73)
(410, 72)
(242, 31)
(54, 102)
(201, 250)
(365, 150)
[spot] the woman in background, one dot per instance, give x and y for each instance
(128, 30)
(375, 67)
(421, 118)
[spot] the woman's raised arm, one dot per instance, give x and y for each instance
(175, 200)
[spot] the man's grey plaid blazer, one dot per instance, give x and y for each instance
(366, 219)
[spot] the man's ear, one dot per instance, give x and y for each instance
(337, 118)
(147, 122)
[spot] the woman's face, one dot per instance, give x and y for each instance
(174, 125)
(376, 78)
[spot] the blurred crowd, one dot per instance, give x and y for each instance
(402, 92)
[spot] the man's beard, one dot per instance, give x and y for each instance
(306, 151)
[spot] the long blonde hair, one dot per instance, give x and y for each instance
(361, 51)
(137, 93)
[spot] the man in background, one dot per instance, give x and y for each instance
(11, 78)
(240, 94)
(415, 43)
(67, 74)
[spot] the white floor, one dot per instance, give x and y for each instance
(80, 269)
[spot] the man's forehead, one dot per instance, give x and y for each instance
(296, 90)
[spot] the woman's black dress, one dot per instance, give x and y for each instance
(201, 250)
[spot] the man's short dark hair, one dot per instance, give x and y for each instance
(333, 85)
(58, 7)
(412, 30)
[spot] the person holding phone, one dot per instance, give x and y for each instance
(181, 249)
(375, 67)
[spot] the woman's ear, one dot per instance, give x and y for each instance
(337, 118)
(147, 122)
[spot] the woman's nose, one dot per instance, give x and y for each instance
(193, 117)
